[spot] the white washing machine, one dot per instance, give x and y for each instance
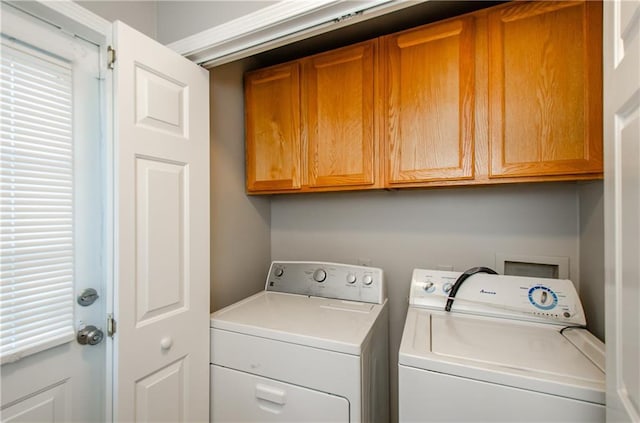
(510, 349)
(311, 347)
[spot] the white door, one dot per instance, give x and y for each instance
(161, 346)
(622, 207)
(52, 239)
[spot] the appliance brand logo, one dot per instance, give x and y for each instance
(483, 291)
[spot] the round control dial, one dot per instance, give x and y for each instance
(319, 275)
(542, 297)
(429, 287)
(447, 287)
(351, 278)
(278, 272)
(367, 280)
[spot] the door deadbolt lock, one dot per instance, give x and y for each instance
(88, 297)
(90, 335)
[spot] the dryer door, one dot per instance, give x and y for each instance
(242, 397)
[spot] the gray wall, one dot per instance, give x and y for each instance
(397, 231)
(179, 19)
(240, 225)
(141, 15)
(169, 21)
(591, 195)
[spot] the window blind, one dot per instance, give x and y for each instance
(36, 191)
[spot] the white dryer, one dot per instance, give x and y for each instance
(311, 347)
(510, 349)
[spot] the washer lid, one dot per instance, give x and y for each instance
(520, 354)
(335, 325)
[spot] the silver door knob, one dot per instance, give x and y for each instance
(90, 335)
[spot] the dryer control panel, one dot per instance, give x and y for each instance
(327, 280)
(516, 297)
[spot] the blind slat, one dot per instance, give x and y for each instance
(27, 301)
(50, 277)
(27, 80)
(35, 231)
(20, 124)
(36, 196)
(32, 255)
(19, 149)
(47, 69)
(44, 311)
(35, 111)
(29, 332)
(34, 260)
(21, 161)
(30, 327)
(36, 281)
(43, 69)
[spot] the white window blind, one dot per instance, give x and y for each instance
(36, 187)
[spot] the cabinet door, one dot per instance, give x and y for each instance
(272, 107)
(430, 103)
(339, 105)
(545, 89)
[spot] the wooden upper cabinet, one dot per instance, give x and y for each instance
(545, 89)
(507, 94)
(272, 114)
(338, 116)
(429, 105)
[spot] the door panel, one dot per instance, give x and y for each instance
(160, 102)
(50, 405)
(622, 207)
(162, 220)
(161, 238)
(161, 396)
(66, 382)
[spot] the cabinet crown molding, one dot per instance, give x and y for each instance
(274, 26)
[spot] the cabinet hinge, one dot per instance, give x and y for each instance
(111, 326)
(111, 57)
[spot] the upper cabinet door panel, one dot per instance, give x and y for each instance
(430, 93)
(272, 107)
(339, 93)
(545, 89)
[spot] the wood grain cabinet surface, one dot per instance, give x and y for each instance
(506, 94)
(272, 116)
(339, 117)
(311, 123)
(545, 89)
(430, 93)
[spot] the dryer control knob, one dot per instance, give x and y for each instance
(447, 287)
(351, 278)
(319, 275)
(367, 280)
(278, 272)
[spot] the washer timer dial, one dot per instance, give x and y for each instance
(542, 297)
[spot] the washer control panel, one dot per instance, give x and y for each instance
(328, 280)
(516, 297)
